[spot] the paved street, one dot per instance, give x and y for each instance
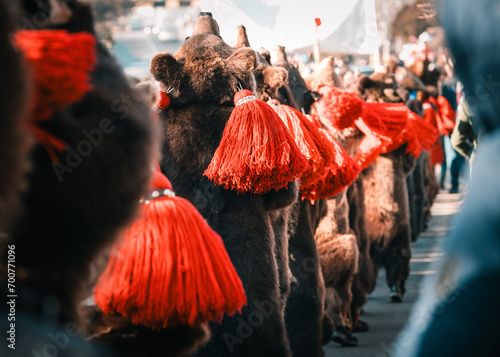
(387, 319)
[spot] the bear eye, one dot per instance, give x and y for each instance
(187, 38)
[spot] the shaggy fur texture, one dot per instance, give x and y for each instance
(308, 326)
(339, 255)
(75, 207)
(306, 322)
(337, 245)
(204, 74)
(15, 139)
(387, 216)
(386, 193)
(326, 76)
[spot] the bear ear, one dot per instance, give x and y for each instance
(164, 67)
(243, 60)
(275, 77)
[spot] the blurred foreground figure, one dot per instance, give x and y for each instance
(459, 313)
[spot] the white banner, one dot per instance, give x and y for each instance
(347, 26)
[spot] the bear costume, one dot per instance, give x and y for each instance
(386, 193)
(81, 196)
(202, 78)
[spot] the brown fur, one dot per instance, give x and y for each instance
(386, 193)
(387, 216)
(304, 314)
(324, 77)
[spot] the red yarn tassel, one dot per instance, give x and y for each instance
(342, 175)
(383, 125)
(384, 119)
(307, 139)
(61, 62)
(330, 167)
(170, 267)
(256, 153)
(426, 133)
(418, 134)
(338, 108)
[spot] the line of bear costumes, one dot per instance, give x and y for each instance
(67, 217)
(194, 125)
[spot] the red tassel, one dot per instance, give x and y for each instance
(61, 62)
(426, 133)
(418, 134)
(384, 119)
(331, 169)
(382, 124)
(170, 268)
(346, 170)
(338, 108)
(299, 127)
(256, 153)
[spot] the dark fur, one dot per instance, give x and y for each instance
(204, 75)
(307, 324)
(386, 192)
(15, 140)
(66, 223)
(126, 339)
(304, 314)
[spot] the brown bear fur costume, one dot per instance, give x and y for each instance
(308, 325)
(75, 207)
(386, 194)
(204, 75)
(345, 223)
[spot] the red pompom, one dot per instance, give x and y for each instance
(61, 64)
(169, 268)
(163, 101)
(338, 108)
(256, 153)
